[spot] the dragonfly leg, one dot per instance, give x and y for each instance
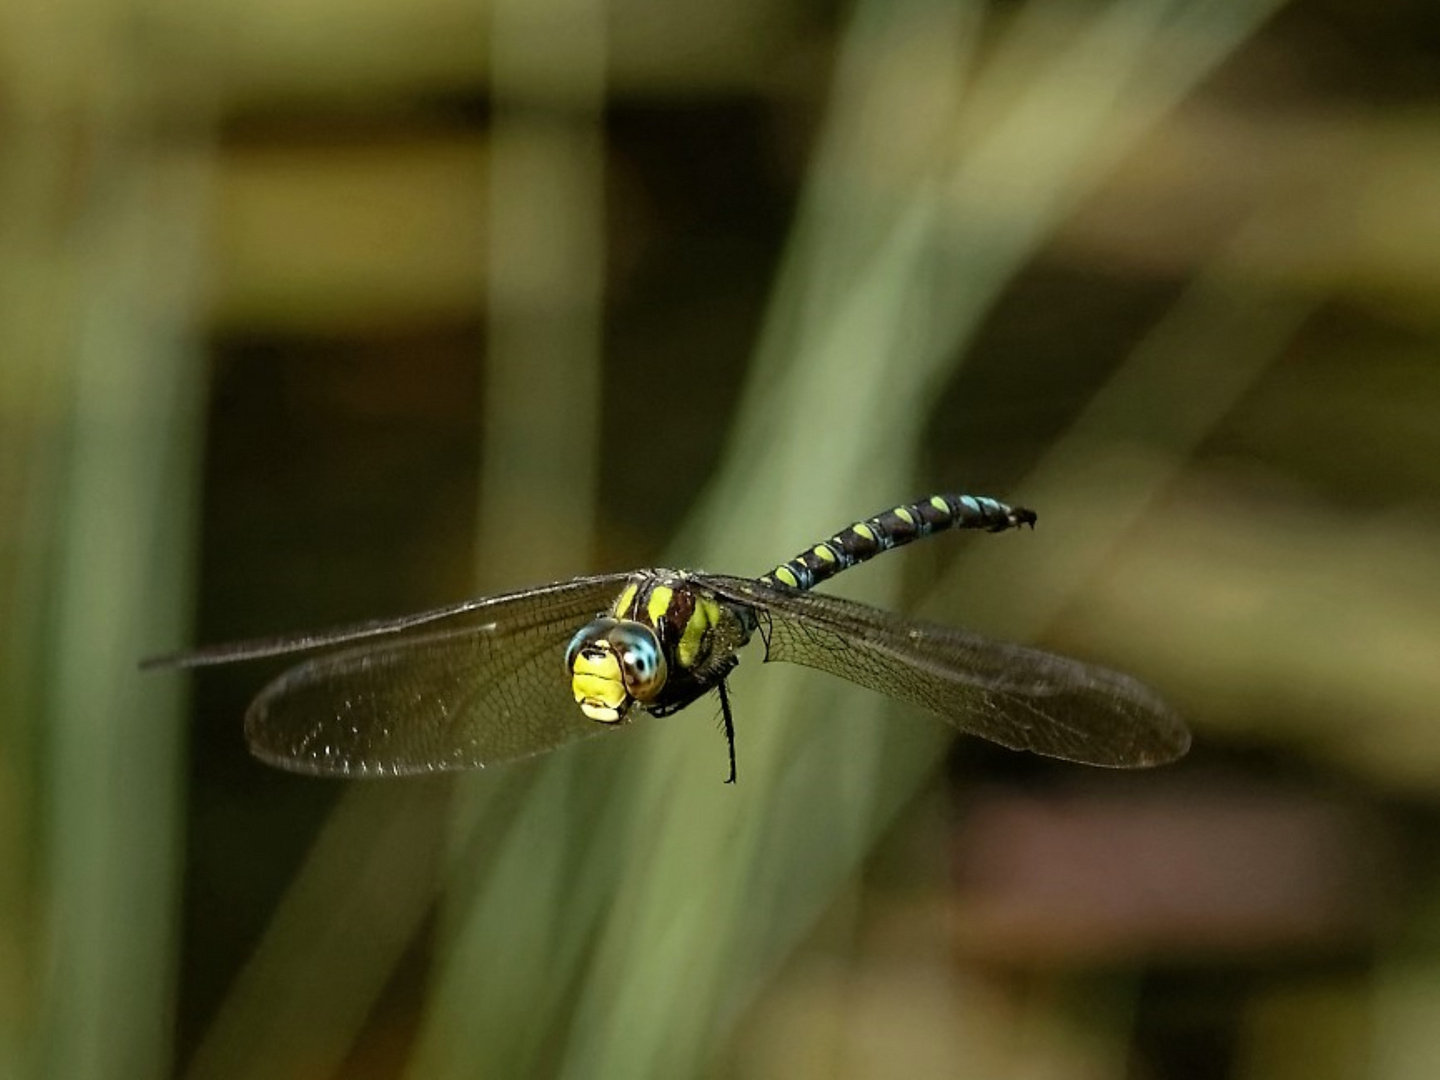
(729, 728)
(765, 626)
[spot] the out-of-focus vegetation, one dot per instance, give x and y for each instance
(316, 311)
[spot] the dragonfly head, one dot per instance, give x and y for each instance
(613, 663)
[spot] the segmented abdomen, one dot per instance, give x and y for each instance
(893, 528)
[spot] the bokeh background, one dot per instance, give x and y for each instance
(316, 311)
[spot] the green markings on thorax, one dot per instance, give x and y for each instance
(679, 615)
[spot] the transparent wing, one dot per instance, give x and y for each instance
(1021, 698)
(564, 599)
(488, 691)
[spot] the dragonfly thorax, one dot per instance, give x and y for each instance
(663, 643)
(614, 663)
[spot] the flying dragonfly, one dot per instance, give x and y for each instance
(522, 673)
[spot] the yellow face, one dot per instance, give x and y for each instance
(598, 686)
(614, 663)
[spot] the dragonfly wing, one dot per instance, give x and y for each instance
(1018, 697)
(450, 699)
(573, 598)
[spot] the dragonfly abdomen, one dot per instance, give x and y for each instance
(894, 528)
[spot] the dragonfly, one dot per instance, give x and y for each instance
(521, 673)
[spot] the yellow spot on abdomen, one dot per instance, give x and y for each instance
(904, 515)
(863, 531)
(939, 504)
(786, 575)
(823, 553)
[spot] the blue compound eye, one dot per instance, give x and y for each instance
(642, 661)
(588, 634)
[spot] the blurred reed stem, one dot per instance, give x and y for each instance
(100, 392)
(113, 743)
(1134, 437)
(540, 448)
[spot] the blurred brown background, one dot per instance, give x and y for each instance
(311, 312)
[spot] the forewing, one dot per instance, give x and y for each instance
(570, 599)
(450, 699)
(1018, 697)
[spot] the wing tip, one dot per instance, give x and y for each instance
(1156, 747)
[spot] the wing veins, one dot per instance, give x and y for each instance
(1019, 697)
(557, 597)
(414, 706)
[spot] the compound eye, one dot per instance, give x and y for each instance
(588, 634)
(642, 662)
